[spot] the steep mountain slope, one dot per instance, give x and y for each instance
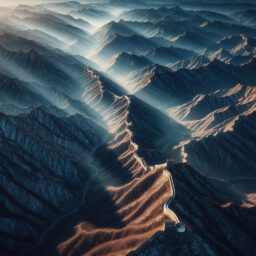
(236, 144)
(19, 92)
(175, 13)
(163, 28)
(120, 216)
(192, 63)
(154, 132)
(42, 172)
(16, 43)
(228, 29)
(222, 125)
(246, 17)
(113, 28)
(117, 44)
(53, 25)
(90, 155)
(237, 45)
(195, 40)
(198, 202)
(234, 47)
(142, 28)
(125, 63)
(32, 66)
(142, 15)
(96, 96)
(202, 105)
(177, 86)
(80, 23)
(92, 14)
(164, 56)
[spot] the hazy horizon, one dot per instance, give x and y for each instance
(7, 3)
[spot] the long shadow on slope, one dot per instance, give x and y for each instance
(154, 131)
(210, 228)
(98, 209)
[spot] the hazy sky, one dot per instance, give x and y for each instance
(34, 2)
(17, 2)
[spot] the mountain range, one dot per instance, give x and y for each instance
(127, 128)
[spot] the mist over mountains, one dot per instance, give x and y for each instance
(127, 128)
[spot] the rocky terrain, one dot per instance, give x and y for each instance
(127, 128)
